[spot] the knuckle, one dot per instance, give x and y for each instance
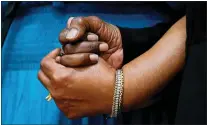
(56, 77)
(44, 62)
(69, 75)
(62, 76)
(83, 58)
(78, 20)
(68, 49)
(93, 47)
(68, 78)
(95, 18)
(56, 96)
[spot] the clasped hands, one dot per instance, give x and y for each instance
(81, 81)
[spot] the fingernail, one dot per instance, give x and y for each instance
(69, 21)
(103, 47)
(72, 33)
(93, 57)
(92, 37)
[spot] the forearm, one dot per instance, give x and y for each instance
(136, 41)
(150, 72)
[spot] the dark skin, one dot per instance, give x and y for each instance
(88, 90)
(107, 33)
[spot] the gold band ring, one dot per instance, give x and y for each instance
(49, 97)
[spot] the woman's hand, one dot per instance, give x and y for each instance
(76, 31)
(78, 92)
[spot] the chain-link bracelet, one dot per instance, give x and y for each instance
(118, 93)
(121, 86)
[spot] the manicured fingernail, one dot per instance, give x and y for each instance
(92, 38)
(93, 57)
(69, 21)
(72, 33)
(103, 47)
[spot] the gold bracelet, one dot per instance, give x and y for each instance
(118, 93)
(121, 84)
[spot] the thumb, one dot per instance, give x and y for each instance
(78, 27)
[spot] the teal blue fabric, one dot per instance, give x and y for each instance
(34, 33)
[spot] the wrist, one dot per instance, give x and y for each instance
(128, 93)
(109, 93)
(133, 97)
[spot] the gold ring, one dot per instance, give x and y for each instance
(49, 97)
